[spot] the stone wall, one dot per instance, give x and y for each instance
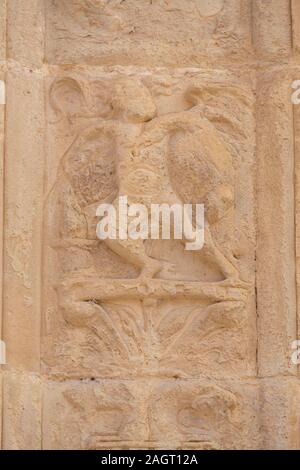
(146, 345)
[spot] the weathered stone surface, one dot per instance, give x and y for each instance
(2, 30)
(124, 344)
(25, 32)
(23, 218)
(272, 29)
(276, 293)
(165, 333)
(2, 146)
(280, 413)
(22, 394)
(151, 414)
(151, 33)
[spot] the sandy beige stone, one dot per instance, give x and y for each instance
(149, 415)
(25, 32)
(159, 32)
(2, 128)
(280, 413)
(276, 306)
(2, 147)
(202, 327)
(296, 25)
(23, 218)
(21, 412)
(126, 344)
(2, 30)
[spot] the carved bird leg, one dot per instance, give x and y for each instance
(213, 254)
(134, 252)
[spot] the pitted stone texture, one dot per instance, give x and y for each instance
(194, 316)
(123, 344)
(151, 415)
(147, 32)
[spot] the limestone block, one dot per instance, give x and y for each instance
(2, 147)
(25, 32)
(196, 316)
(2, 30)
(127, 344)
(280, 417)
(2, 121)
(296, 26)
(206, 415)
(21, 412)
(276, 267)
(93, 414)
(23, 215)
(150, 415)
(272, 29)
(147, 32)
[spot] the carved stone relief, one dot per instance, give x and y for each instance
(149, 309)
(127, 344)
(150, 415)
(145, 32)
